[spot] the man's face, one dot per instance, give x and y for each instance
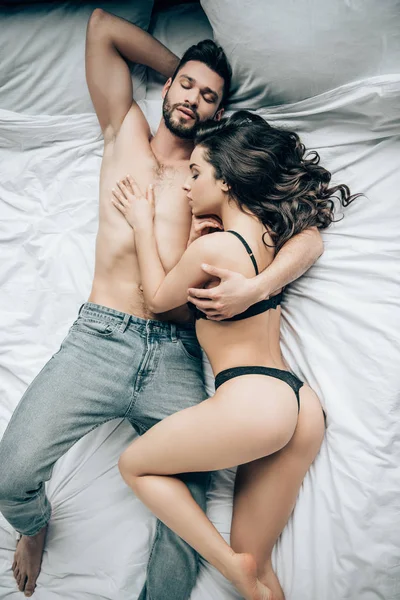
(193, 97)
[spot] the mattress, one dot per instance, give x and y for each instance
(340, 332)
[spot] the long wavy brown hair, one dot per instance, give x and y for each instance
(271, 174)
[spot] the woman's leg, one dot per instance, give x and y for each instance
(266, 490)
(249, 417)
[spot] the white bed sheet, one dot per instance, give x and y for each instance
(340, 332)
(42, 49)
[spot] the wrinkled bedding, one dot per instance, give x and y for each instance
(340, 332)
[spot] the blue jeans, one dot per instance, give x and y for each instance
(110, 365)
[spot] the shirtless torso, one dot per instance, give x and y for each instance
(129, 148)
(116, 281)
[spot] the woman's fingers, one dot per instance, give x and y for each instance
(119, 206)
(124, 190)
(118, 200)
(199, 227)
(203, 225)
(215, 224)
(136, 189)
(150, 194)
(118, 195)
(151, 198)
(128, 185)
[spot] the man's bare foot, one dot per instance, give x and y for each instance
(270, 579)
(243, 574)
(27, 561)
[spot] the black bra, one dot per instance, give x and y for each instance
(255, 309)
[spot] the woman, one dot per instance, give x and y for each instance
(256, 180)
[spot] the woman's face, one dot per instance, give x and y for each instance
(205, 193)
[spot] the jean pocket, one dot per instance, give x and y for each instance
(191, 348)
(95, 327)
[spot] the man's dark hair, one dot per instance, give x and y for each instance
(214, 57)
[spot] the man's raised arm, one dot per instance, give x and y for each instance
(110, 42)
(236, 293)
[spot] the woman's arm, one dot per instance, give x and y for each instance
(165, 291)
(236, 293)
(162, 291)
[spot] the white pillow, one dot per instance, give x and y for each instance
(282, 51)
(177, 28)
(42, 51)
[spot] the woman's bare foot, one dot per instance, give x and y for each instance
(243, 574)
(27, 561)
(270, 579)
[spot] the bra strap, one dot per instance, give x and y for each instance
(248, 249)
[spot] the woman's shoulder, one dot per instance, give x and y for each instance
(219, 241)
(222, 249)
(210, 241)
(212, 245)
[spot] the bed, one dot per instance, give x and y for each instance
(331, 71)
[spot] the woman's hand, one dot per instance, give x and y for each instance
(137, 208)
(203, 226)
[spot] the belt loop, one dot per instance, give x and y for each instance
(80, 310)
(173, 333)
(125, 323)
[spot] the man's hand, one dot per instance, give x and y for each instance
(236, 293)
(232, 296)
(203, 226)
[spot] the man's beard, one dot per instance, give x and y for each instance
(178, 127)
